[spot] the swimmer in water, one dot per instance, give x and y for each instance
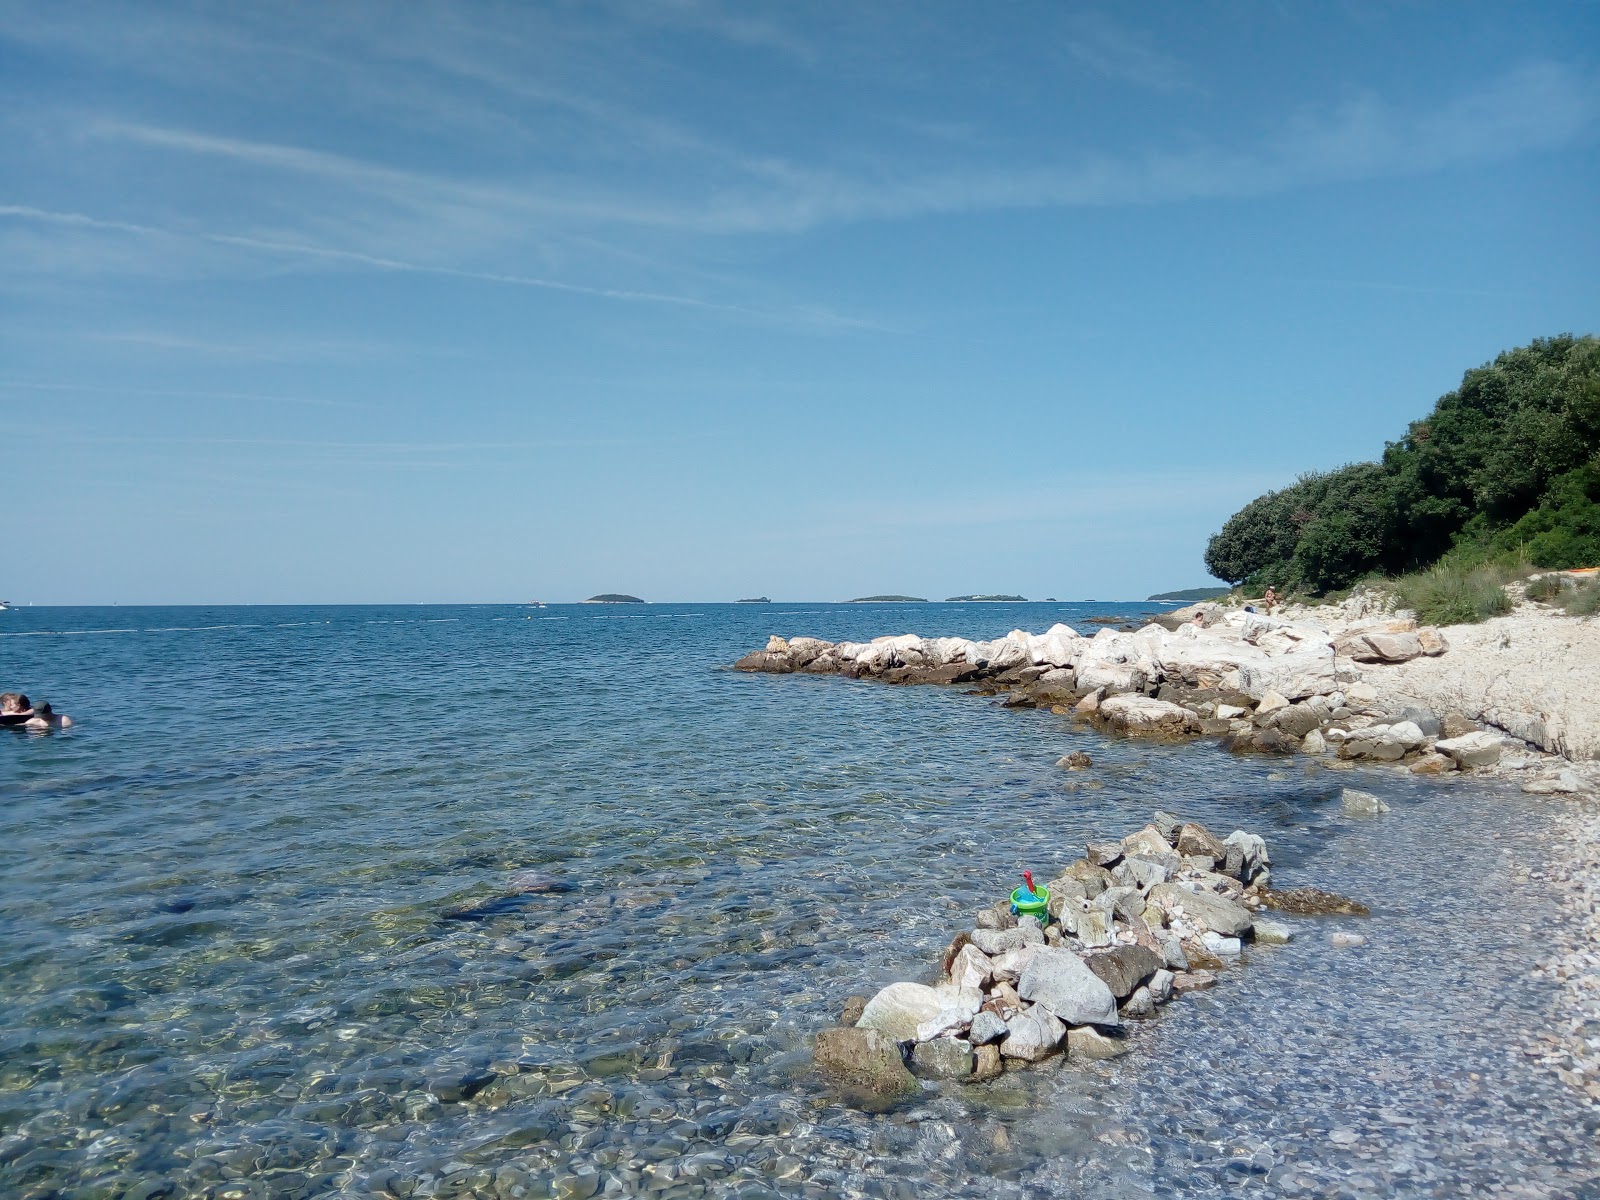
(17, 712)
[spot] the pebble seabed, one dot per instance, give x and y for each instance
(158, 1045)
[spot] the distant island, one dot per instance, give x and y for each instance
(757, 600)
(888, 600)
(987, 600)
(1193, 595)
(613, 598)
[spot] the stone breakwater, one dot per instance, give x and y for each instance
(1128, 927)
(1258, 683)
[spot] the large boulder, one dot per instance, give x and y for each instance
(1145, 716)
(1032, 1034)
(1123, 968)
(1197, 839)
(971, 968)
(1382, 743)
(1477, 749)
(900, 1008)
(1060, 982)
(1299, 719)
(1057, 646)
(1380, 647)
(1206, 909)
(1091, 1043)
(866, 1062)
(942, 1058)
(1246, 859)
(1295, 676)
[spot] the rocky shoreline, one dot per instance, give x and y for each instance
(1328, 682)
(1127, 928)
(1515, 698)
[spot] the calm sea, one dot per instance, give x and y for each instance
(260, 937)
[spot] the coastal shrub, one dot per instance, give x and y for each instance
(1324, 531)
(1546, 588)
(1564, 531)
(1583, 600)
(1509, 460)
(1453, 594)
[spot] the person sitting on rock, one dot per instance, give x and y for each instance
(1270, 599)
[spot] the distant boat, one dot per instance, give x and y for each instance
(536, 604)
(5, 605)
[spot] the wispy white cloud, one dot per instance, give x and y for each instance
(1536, 106)
(1111, 50)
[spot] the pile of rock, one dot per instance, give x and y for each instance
(1257, 682)
(1129, 925)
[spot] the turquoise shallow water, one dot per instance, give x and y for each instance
(260, 936)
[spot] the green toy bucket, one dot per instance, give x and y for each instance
(1037, 907)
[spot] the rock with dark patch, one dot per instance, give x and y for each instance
(970, 968)
(1197, 839)
(1091, 1043)
(1061, 982)
(1076, 761)
(1103, 854)
(997, 941)
(866, 1062)
(1313, 902)
(899, 1009)
(1192, 981)
(1032, 1035)
(1167, 825)
(987, 1064)
(986, 1027)
(1065, 891)
(762, 660)
(1094, 879)
(459, 1085)
(1123, 968)
(535, 882)
(942, 1058)
(958, 943)
(1206, 909)
(1247, 859)
(997, 916)
(1160, 986)
(1119, 901)
(949, 674)
(1139, 1005)
(1297, 720)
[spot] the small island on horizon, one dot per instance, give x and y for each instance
(613, 598)
(996, 599)
(1192, 595)
(888, 600)
(756, 600)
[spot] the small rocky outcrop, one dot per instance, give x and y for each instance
(1130, 925)
(866, 1064)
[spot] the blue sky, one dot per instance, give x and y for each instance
(696, 300)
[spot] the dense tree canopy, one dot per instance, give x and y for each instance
(1510, 458)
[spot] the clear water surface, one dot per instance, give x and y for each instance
(259, 936)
